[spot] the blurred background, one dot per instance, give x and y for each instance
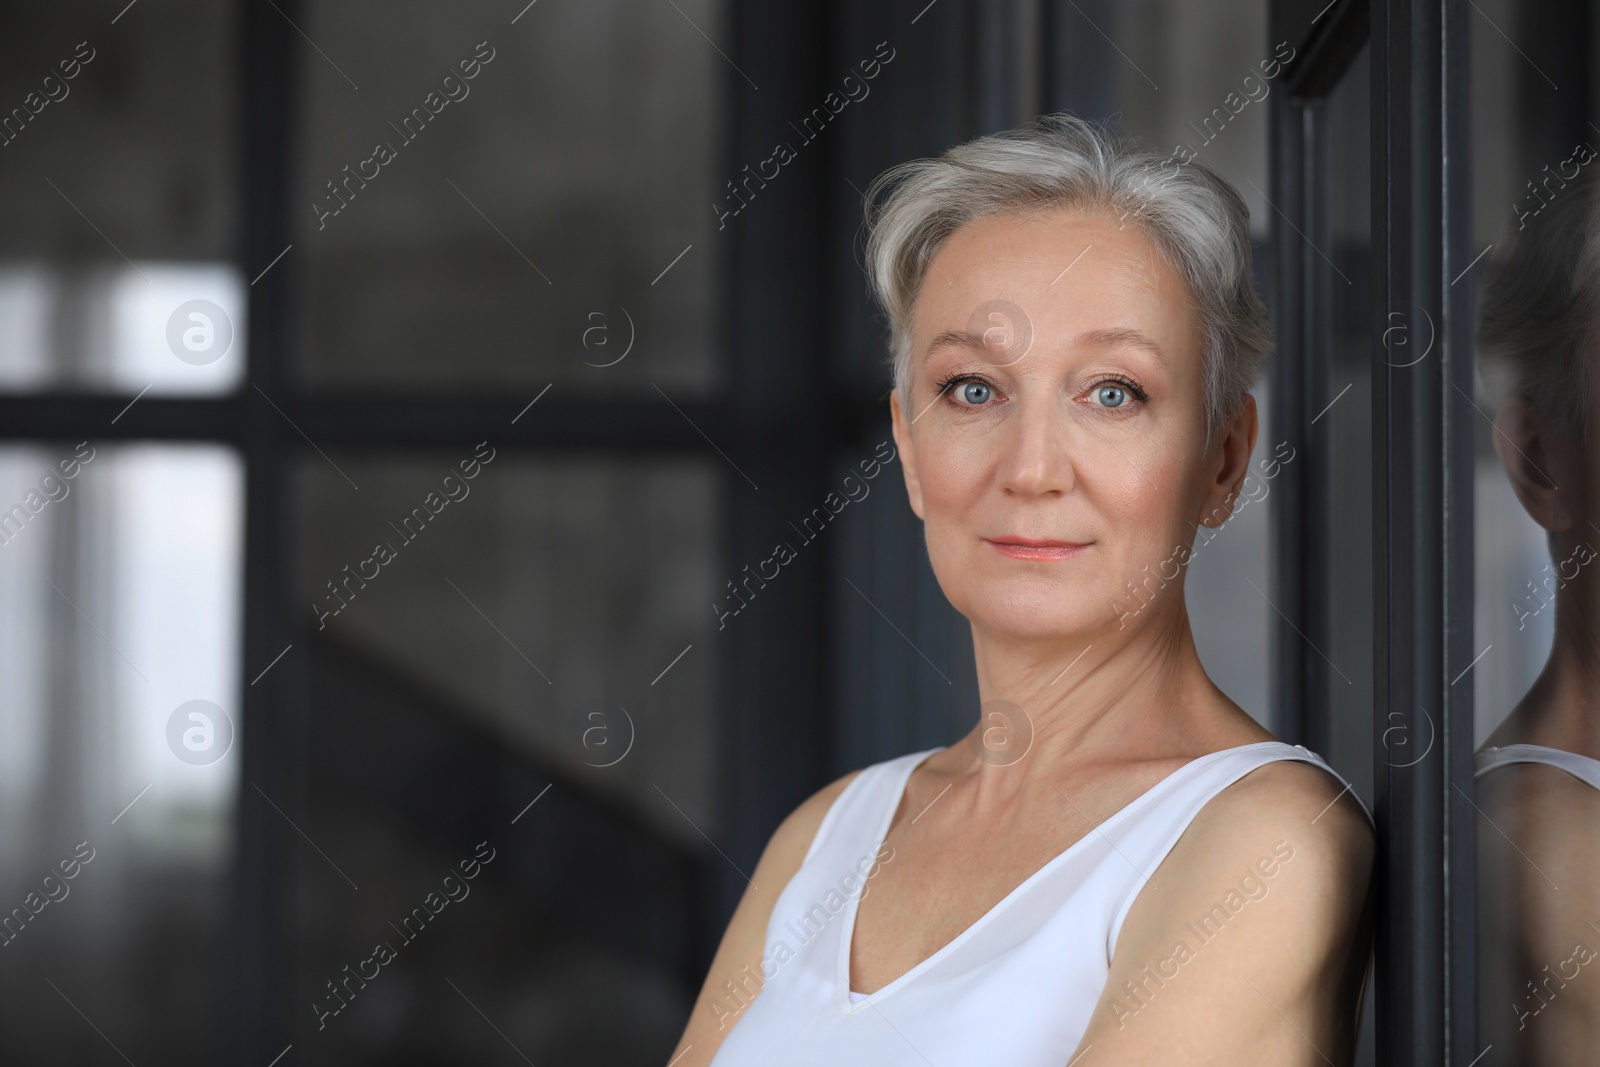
(490, 285)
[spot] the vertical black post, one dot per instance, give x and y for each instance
(1300, 308)
(257, 968)
(773, 672)
(1422, 512)
(1459, 253)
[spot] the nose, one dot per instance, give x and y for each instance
(1036, 459)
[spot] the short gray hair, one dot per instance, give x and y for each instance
(1196, 219)
(1541, 311)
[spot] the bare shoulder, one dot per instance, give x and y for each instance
(1290, 812)
(1538, 803)
(1249, 940)
(1295, 799)
(1538, 893)
(1306, 820)
(1537, 833)
(735, 976)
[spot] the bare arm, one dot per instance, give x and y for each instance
(1250, 941)
(1538, 910)
(735, 975)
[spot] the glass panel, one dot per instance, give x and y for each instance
(1342, 429)
(528, 662)
(1537, 216)
(119, 142)
(511, 198)
(1339, 646)
(120, 585)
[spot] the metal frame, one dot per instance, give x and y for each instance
(1423, 523)
(1422, 488)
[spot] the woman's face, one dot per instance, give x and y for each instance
(1072, 413)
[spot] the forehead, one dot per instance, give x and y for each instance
(1068, 270)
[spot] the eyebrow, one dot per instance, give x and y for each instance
(956, 339)
(1125, 336)
(1109, 337)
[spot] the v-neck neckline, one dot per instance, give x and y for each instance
(842, 988)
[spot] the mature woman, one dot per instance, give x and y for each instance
(1538, 780)
(1116, 865)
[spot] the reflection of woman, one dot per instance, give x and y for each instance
(1116, 857)
(1539, 772)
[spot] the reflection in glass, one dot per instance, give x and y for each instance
(1538, 772)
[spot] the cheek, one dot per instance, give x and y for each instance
(1142, 511)
(954, 469)
(955, 480)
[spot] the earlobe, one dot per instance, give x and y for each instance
(1531, 454)
(1236, 444)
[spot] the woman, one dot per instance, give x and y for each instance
(1117, 865)
(1538, 779)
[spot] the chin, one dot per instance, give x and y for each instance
(1036, 610)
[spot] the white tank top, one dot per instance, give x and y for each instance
(1017, 987)
(1580, 767)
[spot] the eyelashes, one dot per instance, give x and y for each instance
(946, 384)
(1131, 387)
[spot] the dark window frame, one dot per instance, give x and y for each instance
(1422, 491)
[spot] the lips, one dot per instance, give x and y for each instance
(1035, 548)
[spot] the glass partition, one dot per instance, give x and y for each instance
(1537, 221)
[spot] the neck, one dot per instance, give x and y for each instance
(1559, 710)
(1107, 695)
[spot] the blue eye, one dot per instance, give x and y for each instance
(1111, 396)
(975, 392)
(966, 391)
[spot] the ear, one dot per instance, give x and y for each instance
(1535, 458)
(908, 454)
(1229, 463)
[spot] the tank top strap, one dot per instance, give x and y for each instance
(1583, 768)
(860, 815)
(1165, 813)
